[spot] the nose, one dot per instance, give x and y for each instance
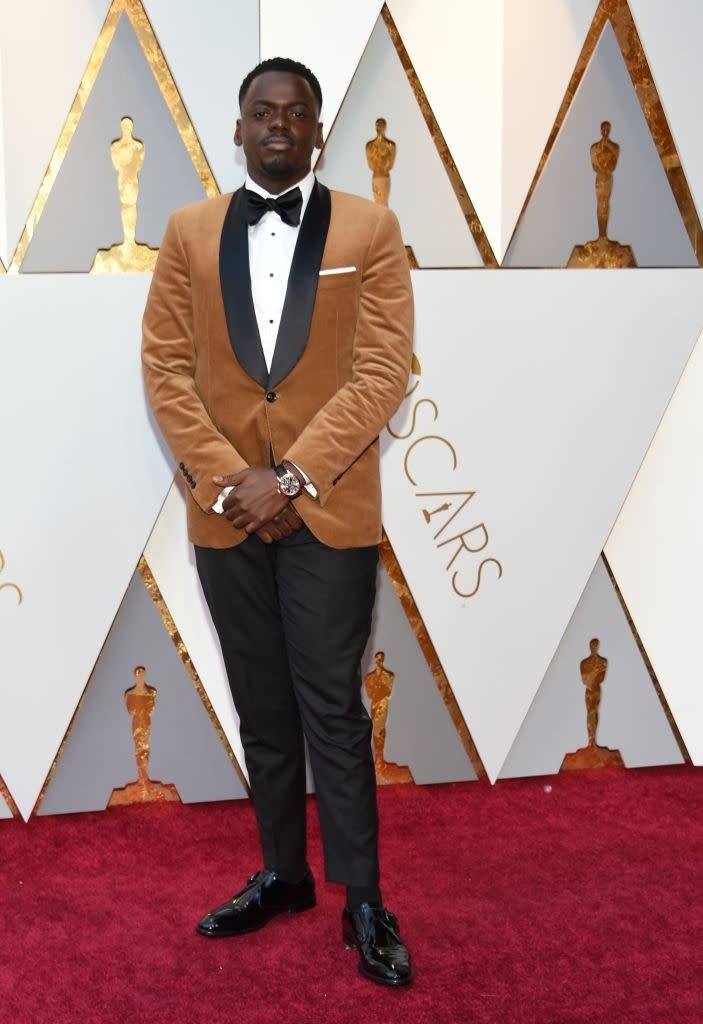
(278, 120)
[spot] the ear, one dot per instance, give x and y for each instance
(319, 141)
(238, 133)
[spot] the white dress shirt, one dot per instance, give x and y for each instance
(271, 247)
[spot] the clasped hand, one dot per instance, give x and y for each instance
(256, 505)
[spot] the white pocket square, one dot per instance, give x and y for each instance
(338, 270)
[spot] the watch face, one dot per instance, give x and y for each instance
(288, 484)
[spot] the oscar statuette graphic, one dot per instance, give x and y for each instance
(593, 672)
(140, 701)
(380, 156)
(379, 685)
(127, 155)
(602, 253)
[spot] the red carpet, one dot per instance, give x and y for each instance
(520, 905)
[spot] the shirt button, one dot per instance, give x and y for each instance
(270, 321)
(271, 396)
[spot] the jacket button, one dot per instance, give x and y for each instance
(271, 396)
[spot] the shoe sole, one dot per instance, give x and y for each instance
(256, 928)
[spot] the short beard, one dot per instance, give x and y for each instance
(276, 166)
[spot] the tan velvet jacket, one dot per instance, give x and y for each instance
(327, 411)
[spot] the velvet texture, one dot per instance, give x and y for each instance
(328, 409)
(519, 905)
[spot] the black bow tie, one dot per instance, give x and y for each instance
(287, 206)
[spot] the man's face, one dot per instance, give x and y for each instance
(278, 129)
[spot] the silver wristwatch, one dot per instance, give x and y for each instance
(288, 484)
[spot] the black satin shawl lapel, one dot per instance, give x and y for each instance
(302, 285)
(235, 282)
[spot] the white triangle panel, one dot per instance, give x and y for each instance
(44, 50)
(86, 475)
(328, 38)
(631, 718)
(539, 394)
(209, 48)
(542, 45)
(380, 88)
(420, 733)
(170, 557)
(456, 48)
(99, 753)
(656, 554)
(671, 36)
(564, 197)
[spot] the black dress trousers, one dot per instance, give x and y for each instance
(293, 619)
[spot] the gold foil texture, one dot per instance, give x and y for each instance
(134, 10)
(400, 585)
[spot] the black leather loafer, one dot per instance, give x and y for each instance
(264, 896)
(374, 932)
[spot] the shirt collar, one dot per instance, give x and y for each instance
(306, 186)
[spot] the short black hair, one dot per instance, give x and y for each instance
(294, 67)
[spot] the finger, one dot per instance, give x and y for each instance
(275, 528)
(230, 479)
(264, 535)
(241, 519)
(292, 519)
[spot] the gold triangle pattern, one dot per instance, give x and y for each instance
(172, 630)
(645, 658)
(7, 797)
(462, 195)
(400, 585)
(155, 594)
(618, 13)
(62, 746)
(134, 10)
(620, 16)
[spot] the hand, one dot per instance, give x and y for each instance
(283, 525)
(255, 500)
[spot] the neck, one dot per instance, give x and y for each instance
(275, 186)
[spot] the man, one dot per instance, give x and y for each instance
(277, 343)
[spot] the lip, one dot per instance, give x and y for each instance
(278, 143)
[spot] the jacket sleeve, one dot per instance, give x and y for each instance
(355, 415)
(169, 361)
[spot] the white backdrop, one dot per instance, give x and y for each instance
(546, 386)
